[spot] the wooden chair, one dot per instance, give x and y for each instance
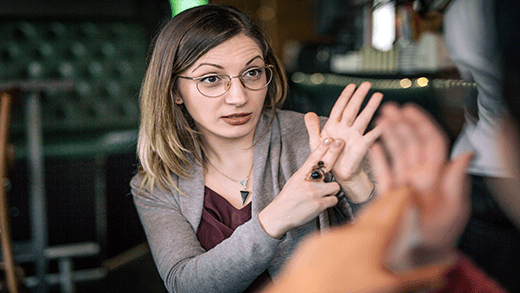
(13, 274)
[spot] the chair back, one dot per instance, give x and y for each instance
(6, 98)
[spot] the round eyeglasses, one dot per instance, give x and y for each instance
(214, 85)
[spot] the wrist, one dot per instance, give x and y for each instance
(358, 188)
(270, 224)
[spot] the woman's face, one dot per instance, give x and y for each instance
(233, 115)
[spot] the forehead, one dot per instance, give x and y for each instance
(236, 51)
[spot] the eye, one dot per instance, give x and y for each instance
(254, 73)
(211, 79)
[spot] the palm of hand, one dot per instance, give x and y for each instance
(350, 160)
(345, 124)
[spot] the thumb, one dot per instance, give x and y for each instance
(312, 122)
(456, 185)
(380, 168)
(455, 178)
(456, 170)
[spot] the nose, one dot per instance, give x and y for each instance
(236, 92)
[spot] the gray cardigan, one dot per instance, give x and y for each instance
(170, 219)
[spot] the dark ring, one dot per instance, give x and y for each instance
(317, 172)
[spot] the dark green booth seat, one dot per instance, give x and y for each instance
(85, 77)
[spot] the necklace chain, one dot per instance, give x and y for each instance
(241, 182)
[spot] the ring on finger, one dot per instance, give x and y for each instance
(317, 173)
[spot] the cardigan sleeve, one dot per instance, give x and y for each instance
(183, 264)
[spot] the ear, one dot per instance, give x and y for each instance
(178, 100)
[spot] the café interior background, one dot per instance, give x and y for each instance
(80, 64)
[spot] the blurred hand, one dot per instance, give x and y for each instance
(415, 154)
(345, 123)
(350, 258)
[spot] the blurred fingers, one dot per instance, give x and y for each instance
(393, 143)
(436, 141)
(380, 168)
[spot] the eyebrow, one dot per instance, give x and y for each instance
(220, 67)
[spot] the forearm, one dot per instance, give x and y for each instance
(185, 266)
(230, 266)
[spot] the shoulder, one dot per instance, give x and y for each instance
(156, 194)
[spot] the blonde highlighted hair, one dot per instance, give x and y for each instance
(168, 140)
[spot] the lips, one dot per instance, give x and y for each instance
(237, 118)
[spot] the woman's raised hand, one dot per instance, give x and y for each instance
(344, 123)
(302, 197)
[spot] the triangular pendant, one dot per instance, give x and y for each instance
(244, 194)
(244, 182)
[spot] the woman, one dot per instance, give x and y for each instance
(228, 185)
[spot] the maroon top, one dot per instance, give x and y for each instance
(219, 221)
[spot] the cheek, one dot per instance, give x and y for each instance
(261, 98)
(190, 99)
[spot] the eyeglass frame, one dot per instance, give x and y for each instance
(239, 76)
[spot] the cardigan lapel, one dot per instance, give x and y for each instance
(192, 201)
(266, 161)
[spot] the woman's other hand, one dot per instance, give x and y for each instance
(344, 123)
(303, 199)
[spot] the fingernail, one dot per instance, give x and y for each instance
(327, 141)
(338, 143)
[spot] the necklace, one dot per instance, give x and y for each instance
(243, 193)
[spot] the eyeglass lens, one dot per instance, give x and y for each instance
(253, 79)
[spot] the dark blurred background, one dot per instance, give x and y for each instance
(80, 64)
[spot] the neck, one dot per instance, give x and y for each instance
(234, 157)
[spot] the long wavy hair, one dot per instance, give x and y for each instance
(168, 140)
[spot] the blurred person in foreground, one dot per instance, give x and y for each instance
(474, 32)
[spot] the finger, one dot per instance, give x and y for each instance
(318, 171)
(394, 146)
(413, 145)
(328, 189)
(351, 111)
(436, 147)
(312, 122)
(316, 156)
(364, 118)
(331, 156)
(380, 168)
(342, 102)
(371, 136)
(455, 182)
(330, 201)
